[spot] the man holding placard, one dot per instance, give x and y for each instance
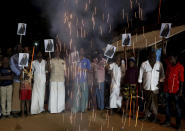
(16, 69)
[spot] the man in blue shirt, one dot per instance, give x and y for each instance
(81, 86)
(6, 82)
(14, 60)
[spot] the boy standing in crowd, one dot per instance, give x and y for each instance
(100, 78)
(26, 90)
(6, 81)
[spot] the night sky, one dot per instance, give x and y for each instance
(38, 26)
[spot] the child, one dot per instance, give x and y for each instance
(25, 92)
(6, 79)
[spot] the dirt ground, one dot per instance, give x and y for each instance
(89, 121)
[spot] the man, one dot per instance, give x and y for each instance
(100, 79)
(38, 92)
(130, 82)
(150, 74)
(115, 98)
(81, 86)
(173, 88)
(16, 81)
(92, 85)
(57, 68)
(6, 81)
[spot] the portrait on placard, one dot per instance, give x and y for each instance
(126, 39)
(49, 45)
(109, 51)
(165, 30)
(21, 30)
(23, 59)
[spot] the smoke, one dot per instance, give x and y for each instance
(86, 22)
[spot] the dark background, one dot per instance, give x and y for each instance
(15, 11)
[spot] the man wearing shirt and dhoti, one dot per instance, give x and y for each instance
(39, 85)
(57, 68)
(115, 98)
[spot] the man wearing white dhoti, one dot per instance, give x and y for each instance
(115, 98)
(57, 68)
(38, 92)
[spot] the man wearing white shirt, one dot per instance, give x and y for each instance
(39, 84)
(150, 75)
(115, 98)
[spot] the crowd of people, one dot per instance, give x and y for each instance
(77, 82)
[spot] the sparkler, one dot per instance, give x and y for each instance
(131, 4)
(108, 121)
(130, 109)
(159, 15)
(155, 43)
(127, 21)
(32, 57)
(101, 32)
(108, 18)
(142, 126)
(81, 116)
(95, 10)
(143, 31)
(90, 119)
(146, 43)
(86, 7)
(70, 44)
(137, 114)
(133, 49)
(110, 28)
(123, 14)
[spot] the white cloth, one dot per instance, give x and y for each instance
(115, 98)
(38, 92)
(150, 77)
(57, 97)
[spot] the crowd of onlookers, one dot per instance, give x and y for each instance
(79, 82)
